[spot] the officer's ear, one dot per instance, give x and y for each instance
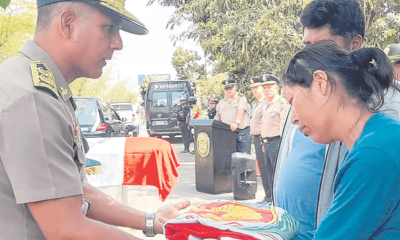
(67, 17)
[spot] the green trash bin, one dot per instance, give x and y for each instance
(214, 143)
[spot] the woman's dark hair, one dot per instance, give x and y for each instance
(366, 74)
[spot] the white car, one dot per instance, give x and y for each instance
(125, 110)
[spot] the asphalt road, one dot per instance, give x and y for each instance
(146, 198)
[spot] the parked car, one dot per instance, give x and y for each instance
(126, 110)
(98, 118)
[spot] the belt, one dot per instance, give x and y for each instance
(241, 130)
(268, 139)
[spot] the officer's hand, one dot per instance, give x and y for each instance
(177, 123)
(262, 148)
(234, 126)
(167, 212)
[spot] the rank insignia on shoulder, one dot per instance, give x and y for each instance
(43, 78)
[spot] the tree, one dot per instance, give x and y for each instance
(17, 24)
(186, 64)
(4, 3)
(248, 38)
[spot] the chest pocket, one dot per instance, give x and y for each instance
(235, 103)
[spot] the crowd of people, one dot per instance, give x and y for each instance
(326, 145)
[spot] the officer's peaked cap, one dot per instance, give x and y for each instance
(215, 101)
(228, 83)
(393, 52)
(269, 79)
(255, 81)
(116, 8)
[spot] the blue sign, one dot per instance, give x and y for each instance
(141, 79)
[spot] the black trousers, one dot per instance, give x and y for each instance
(270, 155)
(186, 135)
(261, 162)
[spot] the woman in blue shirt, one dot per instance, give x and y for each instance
(336, 96)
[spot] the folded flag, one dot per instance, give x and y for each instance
(132, 161)
(234, 220)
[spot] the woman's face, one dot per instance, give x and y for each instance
(311, 111)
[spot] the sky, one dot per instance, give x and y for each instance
(151, 53)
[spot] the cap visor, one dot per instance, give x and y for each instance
(129, 23)
(269, 83)
(255, 85)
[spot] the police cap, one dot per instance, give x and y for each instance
(268, 79)
(213, 101)
(255, 82)
(393, 52)
(192, 100)
(116, 8)
(228, 83)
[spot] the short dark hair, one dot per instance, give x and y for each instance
(344, 17)
(366, 74)
(48, 12)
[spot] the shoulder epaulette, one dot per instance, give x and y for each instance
(43, 78)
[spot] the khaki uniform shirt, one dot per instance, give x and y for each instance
(273, 117)
(256, 116)
(227, 110)
(41, 152)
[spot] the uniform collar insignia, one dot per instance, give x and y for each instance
(43, 78)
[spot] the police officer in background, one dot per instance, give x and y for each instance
(194, 109)
(43, 194)
(255, 127)
(183, 113)
(234, 111)
(393, 53)
(273, 119)
(392, 97)
(212, 111)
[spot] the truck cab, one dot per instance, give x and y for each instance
(161, 103)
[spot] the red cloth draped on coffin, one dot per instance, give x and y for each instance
(151, 161)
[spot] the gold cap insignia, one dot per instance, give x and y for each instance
(251, 81)
(264, 79)
(43, 78)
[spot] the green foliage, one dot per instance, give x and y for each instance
(145, 86)
(248, 38)
(17, 24)
(100, 88)
(186, 64)
(4, 3)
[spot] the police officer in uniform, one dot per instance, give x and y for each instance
(392, 97)
(212, 111)
(234, 111)
(393, 53)
(273, 119)
(183, 113)
(42, 190)
(255, 127)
